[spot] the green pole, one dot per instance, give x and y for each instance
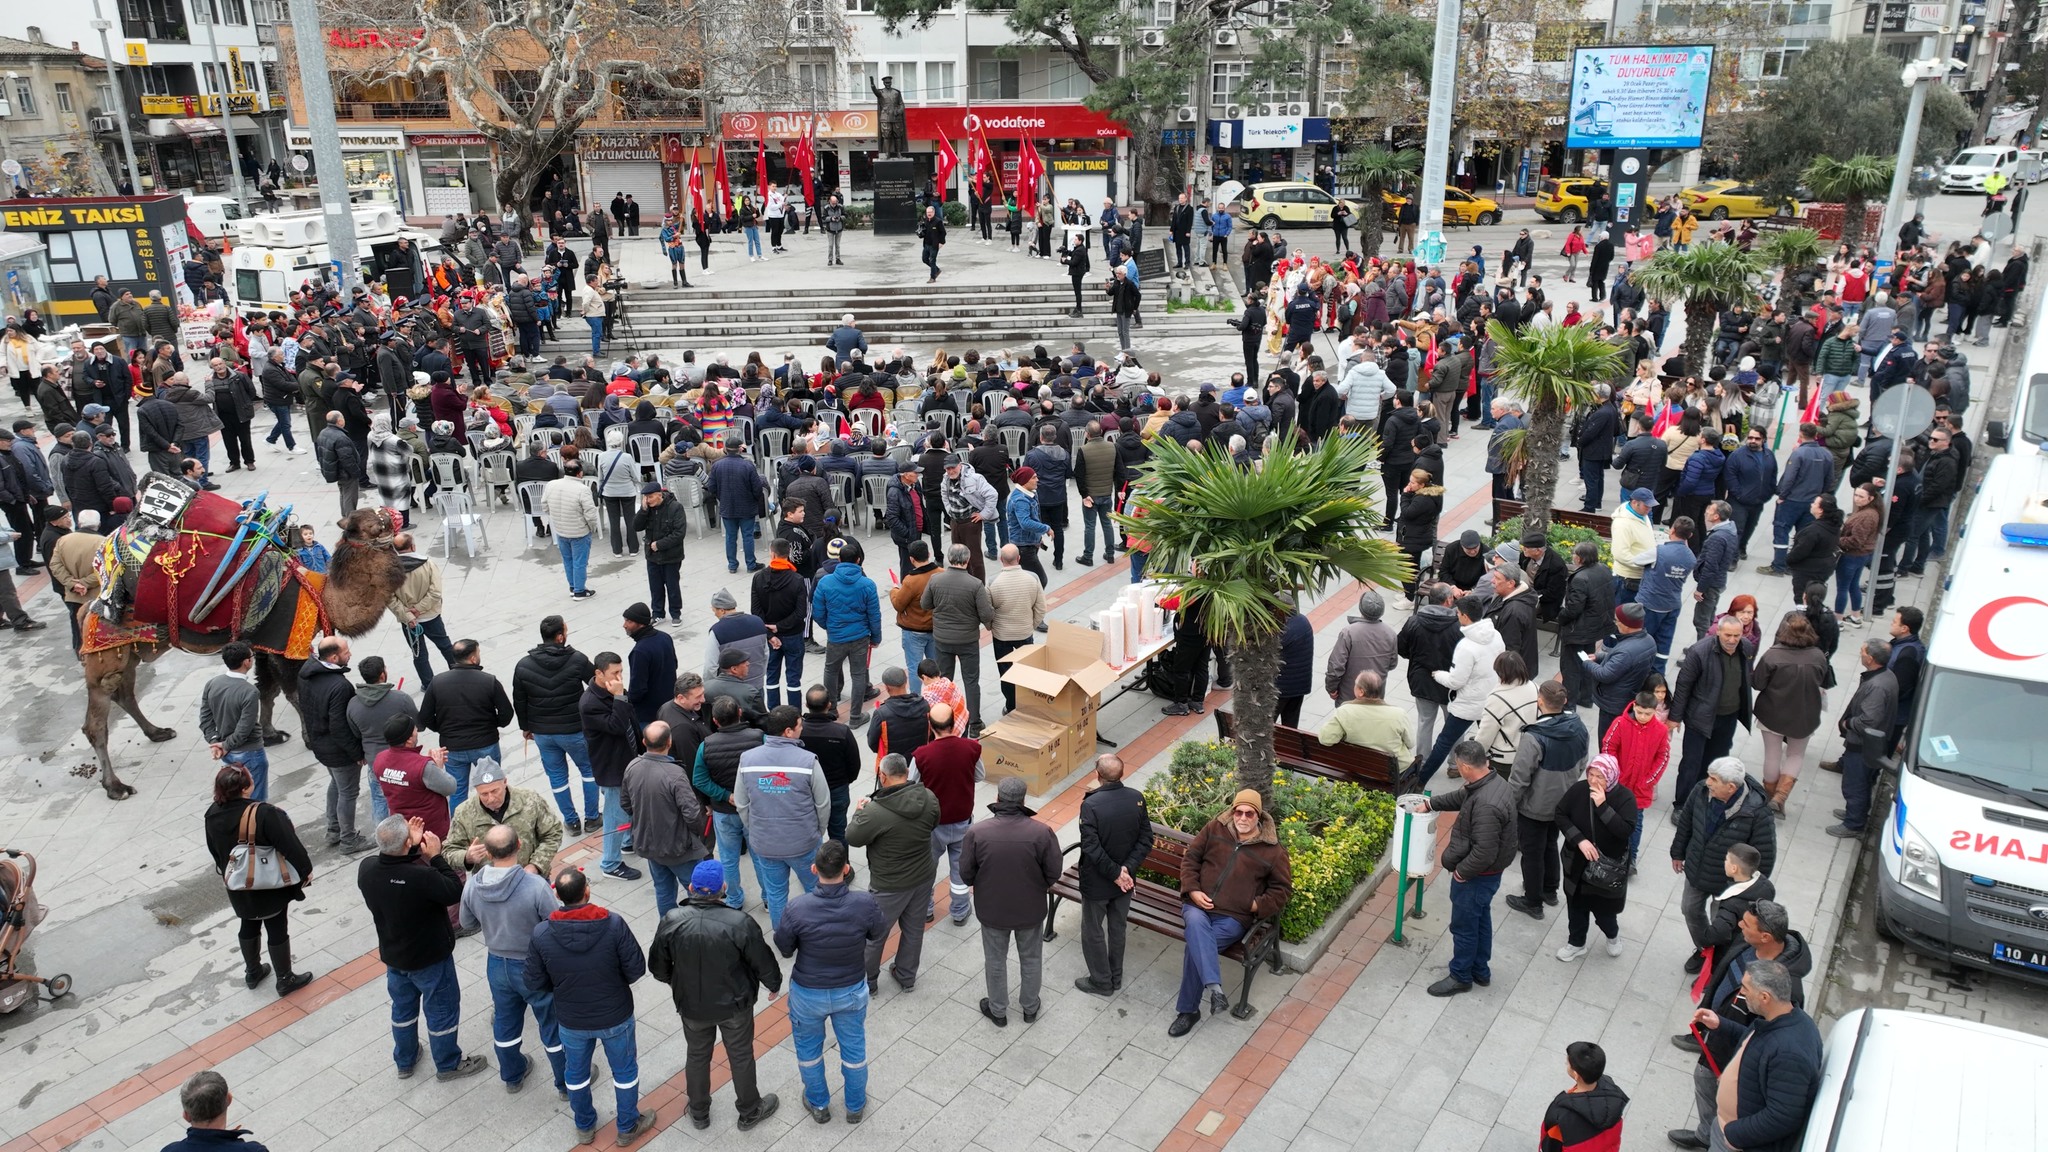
(1784, 398)
(1401, 873)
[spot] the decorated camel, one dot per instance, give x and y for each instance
(193, 571)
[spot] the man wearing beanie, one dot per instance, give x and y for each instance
(507, 902)
(650, 666)
(1011, 862)
(1365, 645)
(736, 630)
(1234, 874)
(1619, 670)
(715, 961)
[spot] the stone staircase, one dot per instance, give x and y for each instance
(954, 316)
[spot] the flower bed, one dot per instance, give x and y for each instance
(1335, 834)
(1563, 537)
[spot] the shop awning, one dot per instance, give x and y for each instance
(198, 126)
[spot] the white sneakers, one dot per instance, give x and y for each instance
(1571, 952)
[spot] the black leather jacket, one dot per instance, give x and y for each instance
(713, 959)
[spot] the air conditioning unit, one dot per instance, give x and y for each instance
(1294, 109)
(1345, 37)
(1233, 112)
(1154, 38)
(104, 124)
(1225, 37)
(1270, 109)
(1334, 110)
(1185, 114)
(7, 110)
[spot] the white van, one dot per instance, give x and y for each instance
(1964, 850)
(1967, 171)
(1913, 1082)
(214, 216)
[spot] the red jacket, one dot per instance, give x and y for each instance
(1585, 1121)
(1643, 750)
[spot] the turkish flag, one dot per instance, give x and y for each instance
(721, 182)
(761, 167)
(948, 160)
(697, 187)
(1030, 170)
(806, 156)
(983, 169)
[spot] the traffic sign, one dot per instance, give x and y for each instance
(11, 166)
(1902, 413)
(300, 163)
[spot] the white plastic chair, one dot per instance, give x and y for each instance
(1013, 441)
(868, 420)
(876, 498)
(494, 471)
(531, 509)
(688, 491)
(646, 450)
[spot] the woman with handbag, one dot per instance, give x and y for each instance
(1597, 817)
(258, 854)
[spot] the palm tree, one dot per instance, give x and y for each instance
(1854, 182)
(1794, 248)
(1376, 170)
(1552, 370)
(1706, 278)
(1251, 544)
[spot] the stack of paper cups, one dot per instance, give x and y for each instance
(1112, 621)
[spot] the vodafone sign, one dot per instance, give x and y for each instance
(998, 122)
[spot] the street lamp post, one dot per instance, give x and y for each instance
(227, 111)
(1443, 98)
(317, 88)
(120, 110)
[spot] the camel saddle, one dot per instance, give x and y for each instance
(183, 547)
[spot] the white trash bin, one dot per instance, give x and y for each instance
(1417, 831)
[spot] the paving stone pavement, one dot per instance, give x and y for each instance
(1351, 1054)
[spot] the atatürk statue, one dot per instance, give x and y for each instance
(891, 128)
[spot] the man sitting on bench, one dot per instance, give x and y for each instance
(1242, 847)
(1368, 721)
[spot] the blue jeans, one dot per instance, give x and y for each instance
(917, 646)
(1472, 927)
(1660, 626)
(736, 531)
(753, 241)
(434, 988)
(785, 678)
(1138, 560)
(257, 761)
(774, 872)
(1446, 739)
(667, 882)
(430, 632)
(458, 767)
(1091, 515)
(946, 840)
(283, 427)
(1208, 933)
(575, 552)
(556, 751)
(509, 1001)
(609, 854)
(200, 448)
(991, 542)
(732, 844)
(1849, 582)
(847, 1009)
(622, 1053)
(1785, 520)
(378, 808)
(596, 333)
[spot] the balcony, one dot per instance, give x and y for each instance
(681, 111)
(168, 31)
(365, 112)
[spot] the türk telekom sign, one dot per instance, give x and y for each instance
(997, 121)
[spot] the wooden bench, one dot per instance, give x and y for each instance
(1600, 523)
(1157, 907)
(1301, 751)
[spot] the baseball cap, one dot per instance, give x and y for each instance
(649, 488)
(1643, 496)
(707, 876)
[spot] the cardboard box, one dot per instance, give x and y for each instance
(1038, 750)
(1060, 679)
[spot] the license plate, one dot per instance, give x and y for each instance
(2034, 958)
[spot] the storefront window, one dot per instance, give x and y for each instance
(457, 179)
(372, 177)
(176, 166)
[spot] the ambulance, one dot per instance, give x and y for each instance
(1964, 850)
(274, 254)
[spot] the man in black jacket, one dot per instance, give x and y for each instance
(547, 688)
(1766, 934)
(324, 695)
(1397, 438)
(612, 738)
(409, 889)
(782, 601)
(157, 424)
(661, 523)
(466, 706)
(715, 962)
(1584, 619)
(1777, 1075)
(1116, 833)
(1481, 847)
(837, 751)
(1595, 438)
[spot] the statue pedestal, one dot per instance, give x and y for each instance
(896, 187)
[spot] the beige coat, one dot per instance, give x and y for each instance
(571, 511)
(419, 598)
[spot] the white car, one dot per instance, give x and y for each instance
(1967, 171)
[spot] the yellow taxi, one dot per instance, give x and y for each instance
(1565, 198)
(1732, 199)
(1278, 203)
(1460, 207)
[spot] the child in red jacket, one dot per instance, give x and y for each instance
(1640, 743)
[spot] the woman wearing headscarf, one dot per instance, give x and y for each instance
(612, 413)
(618, 483)
(390, 468)
(1597, 817)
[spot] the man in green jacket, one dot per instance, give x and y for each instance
(1368, 721)
(493, 801)
(895, 825)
